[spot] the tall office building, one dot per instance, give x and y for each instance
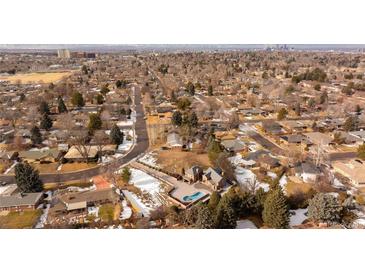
(63, 53)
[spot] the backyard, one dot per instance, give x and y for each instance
(174, 161)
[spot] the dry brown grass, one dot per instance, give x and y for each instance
(17, 220)
(117, 211)
(293, 188)
(106, 213)
(47, 77)
(45, 168)
(76, 166)
(174, 161)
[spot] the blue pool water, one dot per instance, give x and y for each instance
(193, 197)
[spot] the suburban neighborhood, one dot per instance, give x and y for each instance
(182, 138)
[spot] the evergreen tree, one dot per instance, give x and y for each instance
(77, 99)
(358, 109)
(126, 175)
(116, 135)
(27, 179)
(351, 124)
(193, 120)
(129, 112)
(282, 114)
(324, 208)
(123, 112)
(176, 118)
(94, 121)
(210, 90)
(323, 98)
(311, 103)
(183, 103)
(35, 135)
(214, 149)
(205, 218)
(61, 105)
(173, 96)
(276, 210)
(46, 122)
(215, 197)
(190, 88)
(44, 108)
(104, 89)
(226, 216)
(99, 99)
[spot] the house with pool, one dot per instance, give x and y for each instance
(197, 185)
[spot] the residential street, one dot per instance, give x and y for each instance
(140, 147)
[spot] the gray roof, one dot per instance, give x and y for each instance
(233, 145)
(307, 168)
(174, 139)
(213, 175)
(255, 155)
(39, 154)
(359, 134)
(26, 199)
(194, 170)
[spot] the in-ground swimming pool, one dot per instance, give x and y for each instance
(193, 197)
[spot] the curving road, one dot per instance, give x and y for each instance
(140, 147)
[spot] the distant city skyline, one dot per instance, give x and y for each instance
(174, 47)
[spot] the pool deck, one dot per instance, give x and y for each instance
(181, 189)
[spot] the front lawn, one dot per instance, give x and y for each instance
(16, 220)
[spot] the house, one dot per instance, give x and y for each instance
(233, 146)
(349, 138)
(296, 126)
(359, 134)
(6, 157)
(252, 112)
(213, 179)
(78, 202)
(268, 162)
(271, 127)
(253, 157)
(174, 141)
(74, 155)
(353, 169)
(318, 138)
(41, 155)
(20, 201)
(193, 174)
(308, 172)
(296, 139)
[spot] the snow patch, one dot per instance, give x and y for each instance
(297, 216)
(245, 224)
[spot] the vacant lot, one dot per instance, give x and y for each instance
(26, 219)
(46, 77)
(174, 161)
